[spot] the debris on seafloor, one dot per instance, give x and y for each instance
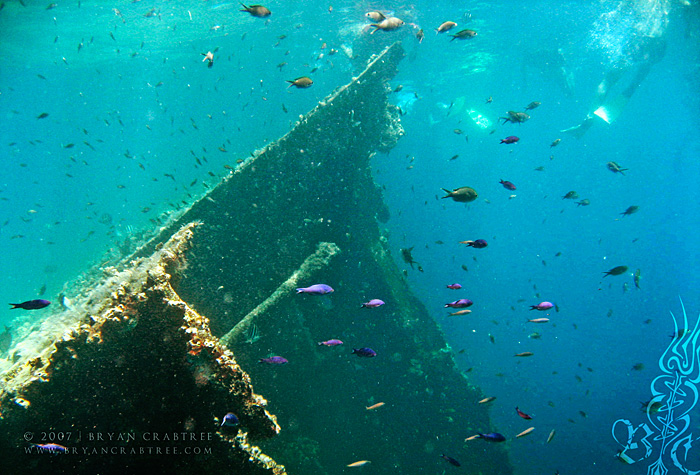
(85, 391)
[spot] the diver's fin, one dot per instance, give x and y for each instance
(612, 109)
(578, 131)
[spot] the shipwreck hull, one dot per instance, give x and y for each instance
(304, 210)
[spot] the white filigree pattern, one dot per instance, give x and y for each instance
(667, 438)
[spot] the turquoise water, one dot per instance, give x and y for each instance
(152, 127)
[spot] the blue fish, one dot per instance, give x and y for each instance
(364, 352)
(230, 420)
(51, 447)
(31, 304)
(492, 437)
(316, 289)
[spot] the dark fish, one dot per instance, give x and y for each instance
(510, 139)
(631, 210)
(638, 367)
(274, 360)
(301, 83)
(615, 271)
(515, 117)
(478, 244)
(555, 143)
(637, 278)
(454, 286)
(508, 185)
(31, 304)
(532, 105)
(463, 35)
(451, 460)
(585, 202)
(43, 115)
(463, 194)
(522, 414)
(420, 35)
(364, 352)
(407, 256)
(257, 11)
(230, 420)
(572, 195)
(316, 289)
(492, 437)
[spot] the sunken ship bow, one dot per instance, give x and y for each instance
(171, 340)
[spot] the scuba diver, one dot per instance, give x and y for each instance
(551, 63)
(645, 48)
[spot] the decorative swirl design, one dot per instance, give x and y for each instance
(674, 395)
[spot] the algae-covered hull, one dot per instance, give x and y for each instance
(305, 210)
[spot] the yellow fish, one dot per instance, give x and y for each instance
(359, 463)
(461, 312)
(525, 432)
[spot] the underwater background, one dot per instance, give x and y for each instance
(138, 126)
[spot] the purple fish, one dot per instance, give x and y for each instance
(274, 360)
(31, 304)
(542, 306)
(508, 185)
(333, 342)
(454, 286)
(492, 437)
(510, 139)
(364, 352)
(316, 289)
(461, 303)
(374, 303)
